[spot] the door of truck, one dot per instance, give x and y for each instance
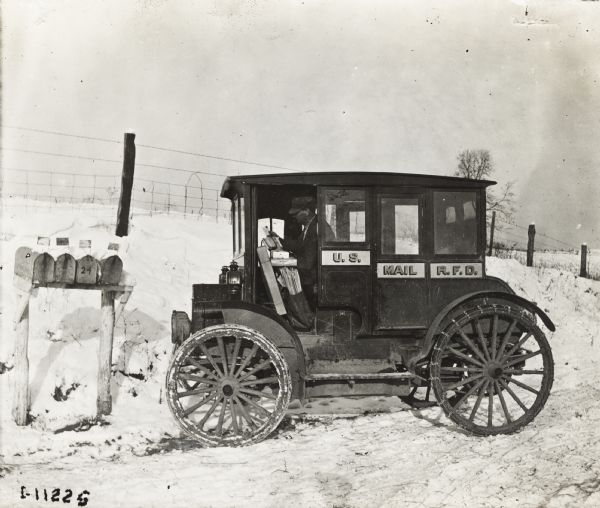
(400, 272)
(345, 269)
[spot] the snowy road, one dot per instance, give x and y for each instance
(402, 458)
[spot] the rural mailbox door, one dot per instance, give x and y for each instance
(400, 272)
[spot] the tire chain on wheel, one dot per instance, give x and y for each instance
(277, 361)
(460, 319)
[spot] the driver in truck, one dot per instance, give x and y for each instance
(304, 246)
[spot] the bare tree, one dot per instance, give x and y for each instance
(478, 164)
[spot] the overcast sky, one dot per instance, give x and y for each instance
(317, 86)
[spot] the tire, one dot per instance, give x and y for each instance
(492, 369)
(228, 385)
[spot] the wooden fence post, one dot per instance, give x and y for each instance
(492, 233)
(583, 265)
(185, 202)
(21, 377)
(152, 200)
(169, 199)
(104, 400)
(126, 185)
(530, 244)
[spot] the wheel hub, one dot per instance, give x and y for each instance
(494, 370)
(228, 387)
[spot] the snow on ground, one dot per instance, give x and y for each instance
(562, 260)
(385, 455)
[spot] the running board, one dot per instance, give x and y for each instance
(362, 376)
(358, 384)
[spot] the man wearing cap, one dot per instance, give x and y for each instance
(304, 246)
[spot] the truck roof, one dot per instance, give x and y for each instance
(233, 184)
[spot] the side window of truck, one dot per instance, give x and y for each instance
(455, 222)
(399, 225)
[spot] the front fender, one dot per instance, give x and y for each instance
(263, 320)
(275, 329)
(511, 297)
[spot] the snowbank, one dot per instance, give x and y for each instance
(165, 255)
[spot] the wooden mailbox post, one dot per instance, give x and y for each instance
(34, 270)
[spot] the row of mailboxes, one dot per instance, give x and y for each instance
(41, 268)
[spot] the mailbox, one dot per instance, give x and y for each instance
(64, 269)
(24, 258)
(110, 270)
(43, 269)
(87, 270)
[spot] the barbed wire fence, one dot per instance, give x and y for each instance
(158, 187)
(511, 242)
(149, 195)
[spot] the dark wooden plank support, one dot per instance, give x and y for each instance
(126, 185)
(530, 244)
(271, 281)
(583, 263)
(94, 287)
(21, 376)
(123, 299)
(104, 400)
(493, 225)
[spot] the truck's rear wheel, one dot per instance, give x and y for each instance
(492, 369)
(228, 385)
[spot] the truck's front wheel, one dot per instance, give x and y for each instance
(228, 385)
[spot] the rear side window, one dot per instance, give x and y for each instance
(455, 226)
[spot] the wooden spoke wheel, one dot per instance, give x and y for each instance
(228, 385)
(492, 369)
